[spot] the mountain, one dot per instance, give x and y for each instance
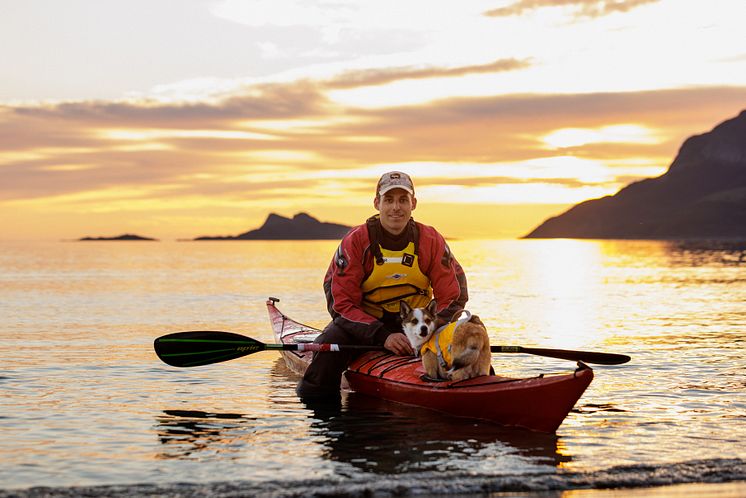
(126, 236)
(701, 196)
(300, 227)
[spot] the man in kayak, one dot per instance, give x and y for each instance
(387, 259)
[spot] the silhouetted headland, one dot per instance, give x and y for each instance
(701, 196)
(126, 236)
(300, 227)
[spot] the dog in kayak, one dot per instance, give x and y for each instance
(418, 323)
(457, 351)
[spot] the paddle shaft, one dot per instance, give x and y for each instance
(189, 349)
(311, 346)
(563, 354)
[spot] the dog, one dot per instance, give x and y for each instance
(458, 351)
(418, 323)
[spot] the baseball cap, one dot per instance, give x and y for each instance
(394, 179)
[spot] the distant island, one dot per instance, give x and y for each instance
(701, 196)
(126, 236)
(300, 227)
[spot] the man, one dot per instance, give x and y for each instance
(387, 259)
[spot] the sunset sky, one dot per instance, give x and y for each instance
(179, 118)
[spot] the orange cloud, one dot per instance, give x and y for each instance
(270, 101)
(62, 149)
(584, 8)
(367, 77)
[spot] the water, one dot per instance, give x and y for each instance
(85, 402)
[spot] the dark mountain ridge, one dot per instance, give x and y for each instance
(701, 196)
(300, 227)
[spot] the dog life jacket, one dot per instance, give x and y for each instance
(441, 340)
(396, 276)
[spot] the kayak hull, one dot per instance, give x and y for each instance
(538, 403)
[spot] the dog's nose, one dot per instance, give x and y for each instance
(423, 331)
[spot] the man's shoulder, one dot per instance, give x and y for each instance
(357, 233)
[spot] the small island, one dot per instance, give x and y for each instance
(126, 236)
(300, 227)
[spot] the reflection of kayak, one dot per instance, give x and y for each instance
(409, 437)
(538, 403)
(430, 438)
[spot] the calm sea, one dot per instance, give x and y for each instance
(86, 403)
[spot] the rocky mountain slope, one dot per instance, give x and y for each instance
(702, 195)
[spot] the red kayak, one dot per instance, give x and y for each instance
(538, 403)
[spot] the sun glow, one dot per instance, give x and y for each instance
(68, 167)
(621, 133)
(572, 286)
(512, 193)
(301, 126)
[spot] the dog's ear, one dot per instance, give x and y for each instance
(432, 307)
(404, 309)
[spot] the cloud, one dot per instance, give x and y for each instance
(367, 77)
(268, 101)
(295, 99)
(69, 149)
(488, 181)
(507, 128)
(734, 58)
(583, 8)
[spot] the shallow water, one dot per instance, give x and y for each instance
(85, 401)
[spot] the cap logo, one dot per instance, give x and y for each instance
(392, 180)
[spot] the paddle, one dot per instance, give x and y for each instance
(191, 349)
(567, 354)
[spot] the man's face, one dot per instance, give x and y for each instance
(395, 207)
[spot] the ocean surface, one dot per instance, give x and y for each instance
(86, 408)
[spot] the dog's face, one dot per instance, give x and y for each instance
(418, 323)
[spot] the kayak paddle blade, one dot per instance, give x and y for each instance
(204, 347)
(584, 356)
(567, 354)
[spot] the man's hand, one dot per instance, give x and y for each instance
(399, 344)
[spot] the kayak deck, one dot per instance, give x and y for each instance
(539, 403)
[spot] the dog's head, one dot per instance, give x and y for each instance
(418, 323)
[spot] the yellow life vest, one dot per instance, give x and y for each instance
(399, 278)
(441, 340)
(440, 344)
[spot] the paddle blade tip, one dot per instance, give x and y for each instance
(203, 347)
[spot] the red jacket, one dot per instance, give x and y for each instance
(353, 262)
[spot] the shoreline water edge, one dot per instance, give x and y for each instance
(714, 478)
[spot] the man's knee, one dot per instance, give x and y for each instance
(323, 376)
(333, 334)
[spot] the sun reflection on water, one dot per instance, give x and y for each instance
(566, 274)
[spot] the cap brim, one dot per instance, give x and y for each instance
(392, 187)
